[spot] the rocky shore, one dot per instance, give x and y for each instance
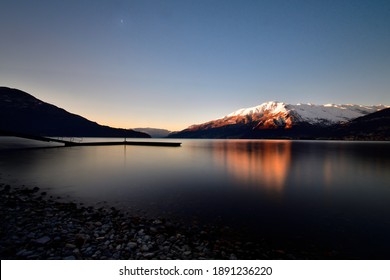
(35, 225)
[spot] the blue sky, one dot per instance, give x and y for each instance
(170, 64)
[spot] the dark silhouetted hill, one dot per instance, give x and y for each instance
(375, 126)
(23, 113)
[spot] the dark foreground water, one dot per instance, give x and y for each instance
(333, 195)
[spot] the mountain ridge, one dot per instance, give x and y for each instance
(279, 120)
(23, 113)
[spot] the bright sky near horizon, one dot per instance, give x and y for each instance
(173, 63)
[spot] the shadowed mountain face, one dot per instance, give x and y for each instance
(23, 113)
(302, 121)
(375, 126)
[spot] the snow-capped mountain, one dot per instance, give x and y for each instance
(314, 114)
(279, 119)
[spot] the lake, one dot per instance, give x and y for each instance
(333, 194)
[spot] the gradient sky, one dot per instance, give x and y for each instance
(170, 64)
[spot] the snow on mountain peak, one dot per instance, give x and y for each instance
(310, 113)
(273, 106)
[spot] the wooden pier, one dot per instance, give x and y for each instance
(129, 143)
(73, 144)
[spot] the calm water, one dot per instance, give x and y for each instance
(336, 194)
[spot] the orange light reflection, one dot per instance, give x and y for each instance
(263, 164)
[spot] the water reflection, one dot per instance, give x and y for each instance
(255, 164)
(311, 189)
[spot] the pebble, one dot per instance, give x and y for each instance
(132, 245)
(24, 253)
(70, 246)
(144, 248)
(148, 255)
(43, 240)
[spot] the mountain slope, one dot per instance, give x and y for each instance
(375, 126)
(154, 132)
(21, 112)
(278, 120)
